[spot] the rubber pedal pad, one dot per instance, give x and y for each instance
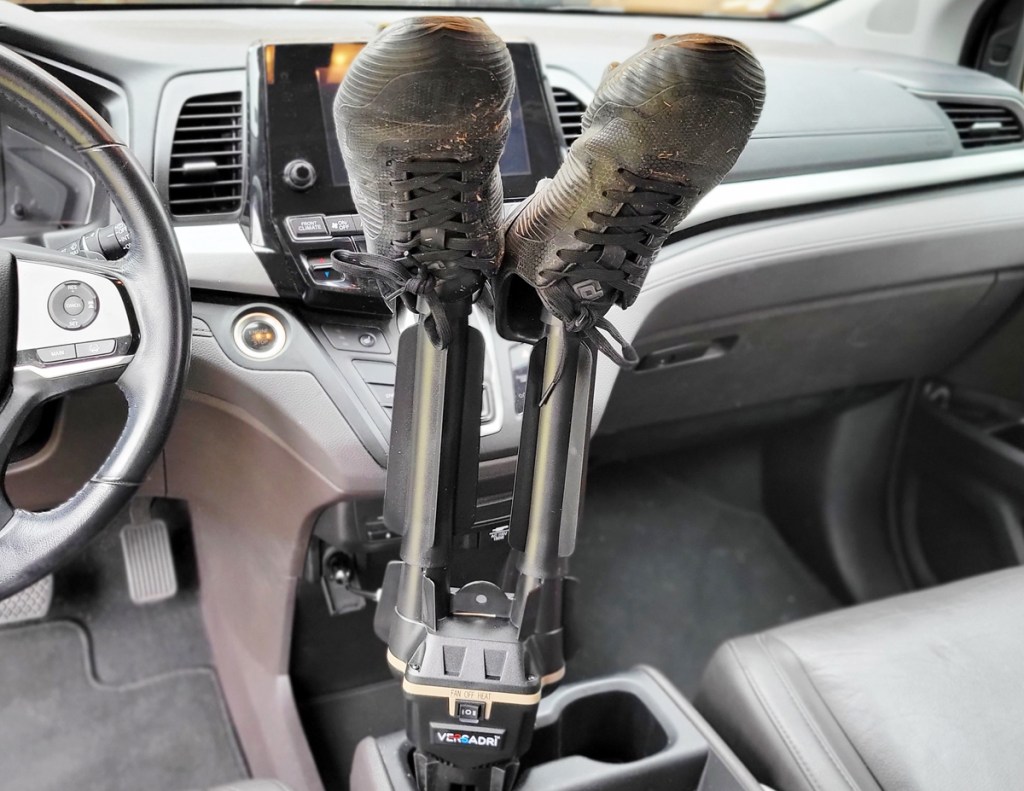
(148, 562)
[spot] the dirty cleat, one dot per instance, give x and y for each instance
(422, 118)
(664, 128)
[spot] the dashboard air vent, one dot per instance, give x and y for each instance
(570, 114)
(205, 174)
(980, 125)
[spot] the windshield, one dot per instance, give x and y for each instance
(747, 9)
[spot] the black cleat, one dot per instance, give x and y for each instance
(664, 128)
(422, 118)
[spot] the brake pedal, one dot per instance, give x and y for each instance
(31, 604)
(148, 562)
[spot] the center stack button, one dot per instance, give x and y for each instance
(344, 224)
(307, 226)
(380, 376)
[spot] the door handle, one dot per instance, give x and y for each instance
(688, 353)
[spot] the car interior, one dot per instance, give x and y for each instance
(800, 510)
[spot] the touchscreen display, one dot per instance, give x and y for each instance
(514, 162)
(291, 103)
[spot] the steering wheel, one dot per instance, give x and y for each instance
(67, 323)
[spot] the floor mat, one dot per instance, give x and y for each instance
(128, 642)
(668, 570)
(60, 728)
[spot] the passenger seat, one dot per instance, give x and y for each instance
(919, 692)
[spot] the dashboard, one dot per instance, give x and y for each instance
(228, 111)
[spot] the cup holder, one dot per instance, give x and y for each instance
(612, 727)
(628, 731)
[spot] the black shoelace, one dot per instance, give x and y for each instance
(441, 204)
(636, 231)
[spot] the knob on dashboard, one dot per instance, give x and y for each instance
(300, 175)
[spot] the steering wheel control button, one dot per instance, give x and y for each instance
(95, 348)
(57, 354)
(73, 305)
(259, 336)
(344, 224)
(356, 339)
(308, 226)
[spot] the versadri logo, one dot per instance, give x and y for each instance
(468, 738)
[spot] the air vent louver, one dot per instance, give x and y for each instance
(205, 174)
(570, 114)
(980, 125)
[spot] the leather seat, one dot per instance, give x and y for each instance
(920, 692)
